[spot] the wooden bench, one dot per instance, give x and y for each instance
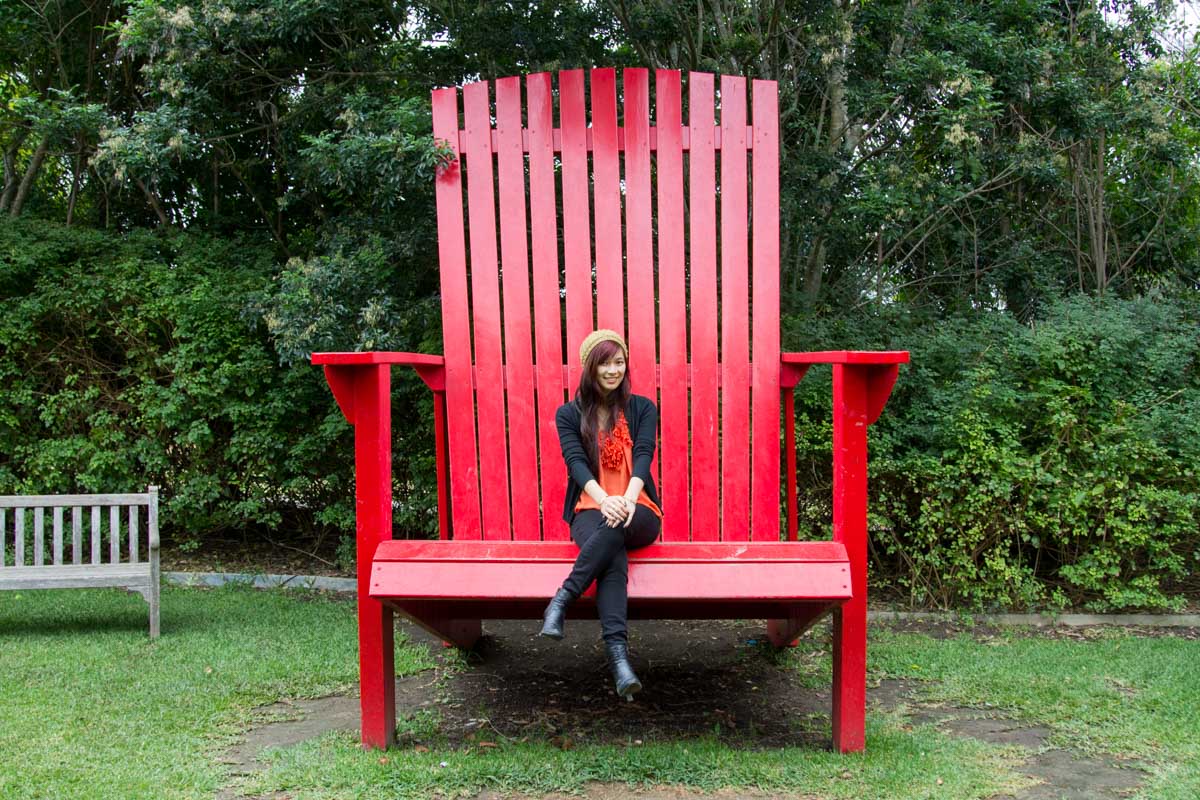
(569, 208)
(45, 543)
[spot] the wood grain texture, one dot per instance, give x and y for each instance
(606, 185)
(702, 204)
(576, 218)
(547, 302)
(456, 326)
(518, 327)
(735, 313)
(764, 377)
(54, 573)
(672, 310)
(485, 314)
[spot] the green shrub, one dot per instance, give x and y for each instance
(133, 359)
(1024, 465)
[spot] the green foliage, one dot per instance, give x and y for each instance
(132, 360)
(1023, 465)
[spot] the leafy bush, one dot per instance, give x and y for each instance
(1023, 465)
(127, 360)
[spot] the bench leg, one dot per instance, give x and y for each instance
(850, 676)
(377, 673)
(150, 595)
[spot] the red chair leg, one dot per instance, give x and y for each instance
(850, 676)
(854, 388)
(377, 673)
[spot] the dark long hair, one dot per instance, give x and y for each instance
(589, 399)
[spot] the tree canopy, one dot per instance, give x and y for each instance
(198, 194)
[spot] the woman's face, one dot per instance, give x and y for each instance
(610, 373)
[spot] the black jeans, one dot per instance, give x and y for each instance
(602, 559)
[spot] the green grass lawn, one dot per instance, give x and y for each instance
(90, 708)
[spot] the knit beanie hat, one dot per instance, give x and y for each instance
(596, 337)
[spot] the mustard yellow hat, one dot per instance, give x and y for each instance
(596, 337)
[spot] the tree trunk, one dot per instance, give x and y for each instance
(75, 177)
(1097, 227)
(35, 166)
(152, 199)
(838, 141)
(10, 179)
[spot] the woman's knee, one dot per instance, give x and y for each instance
(644, 529)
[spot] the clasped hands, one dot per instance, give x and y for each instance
(617, 510)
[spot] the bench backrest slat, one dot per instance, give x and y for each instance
(133, 535)
(95, 534)
(19, 538)
(39, 524)
(114, 535)
(58, 535)
(77, 535)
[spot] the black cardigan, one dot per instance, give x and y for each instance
(642, 416)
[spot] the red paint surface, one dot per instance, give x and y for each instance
(547, 305)
(672, 311)
(764, 375)
(485, 314)
(517, 325)
(735, 316)
(606, 184)
(705, 464)
(456, 327)
(576, 218)
(520, 374)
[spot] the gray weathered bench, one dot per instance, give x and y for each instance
(44, 545)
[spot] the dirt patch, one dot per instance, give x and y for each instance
(621, 791)
(701, 679)
(255, 554)
(1062, 774)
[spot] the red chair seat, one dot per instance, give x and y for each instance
(437, 580)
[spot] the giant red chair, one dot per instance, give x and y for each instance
(583, 211)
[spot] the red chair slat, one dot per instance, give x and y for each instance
(576, 222)
(518, 334)
(702, 228)
(547, 305)
(606, 181)
(735, 345)
(764, 378)
(639, 236)
(485, 312)
(672, 309)
(456, 327)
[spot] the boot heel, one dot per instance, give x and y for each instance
(625, 680)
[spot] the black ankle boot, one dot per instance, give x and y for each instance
(618, 661)
(552, 617)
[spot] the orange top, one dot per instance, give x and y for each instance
(616, 468)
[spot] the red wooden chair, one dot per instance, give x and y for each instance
(631, 211)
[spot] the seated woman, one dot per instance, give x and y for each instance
(607, 435)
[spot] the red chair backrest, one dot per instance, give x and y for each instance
(665, 231)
